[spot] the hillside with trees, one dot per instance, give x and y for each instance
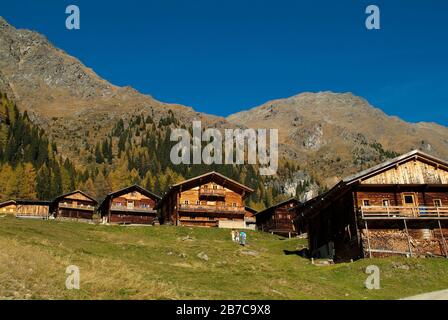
(135, 152)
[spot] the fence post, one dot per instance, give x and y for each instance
(409, 238)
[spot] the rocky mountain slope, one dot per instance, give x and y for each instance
(64, 96)
(335, 134)
(328, 135)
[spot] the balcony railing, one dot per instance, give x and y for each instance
(212, 192)
(77, 206)
(212, 209)
(402, 212)
(197, 222)
(132, 209)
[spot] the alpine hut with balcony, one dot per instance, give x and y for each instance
(399, 207)
(132, 205)
(279, 219)
(74, 205)
(209, 200)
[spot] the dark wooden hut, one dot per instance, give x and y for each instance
(131, 205)
(397, 207)
(74, 205)
(279, 219)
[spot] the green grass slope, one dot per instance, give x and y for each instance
(163, 263)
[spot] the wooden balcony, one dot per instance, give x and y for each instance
(210, 192)
(198, 222)
(402, 212)
(119, 208)
(211, 209)
(76, 207)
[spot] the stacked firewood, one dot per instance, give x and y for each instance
(398, 241)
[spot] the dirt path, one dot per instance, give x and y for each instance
(436, 295)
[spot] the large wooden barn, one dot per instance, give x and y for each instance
(279, 219)
(74, 205)
(131, 205)
(26, 208)
(398, 207)
(209, 200)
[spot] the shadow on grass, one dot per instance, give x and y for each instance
(304, 253)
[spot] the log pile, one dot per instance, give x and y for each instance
(385, 239)
(397, 240)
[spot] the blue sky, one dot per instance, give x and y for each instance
(224, 56)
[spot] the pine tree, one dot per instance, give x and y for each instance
(98, 155)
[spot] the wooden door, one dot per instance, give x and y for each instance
(410, 204)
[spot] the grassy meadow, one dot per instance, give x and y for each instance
(166, 262)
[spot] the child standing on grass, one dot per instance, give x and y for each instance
(243, 238)
(237, 236)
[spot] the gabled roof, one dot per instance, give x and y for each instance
(134, 187)
(209, 176)
(74, 192)
(205, 178)
(415, 154)
(293, 200)
(251, 210)
(26, 202)
(7, 203)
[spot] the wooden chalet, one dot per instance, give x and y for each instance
(397, 207)
(8, 208)
(26, 208)
(279, 219)
(209, 200)
(132, 205)
(74, 205)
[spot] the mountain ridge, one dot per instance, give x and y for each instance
(328, 134)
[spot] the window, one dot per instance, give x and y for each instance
(366, 203)
(198, 202)
(186, 202)
(215, 187)
(409, 199)
(234, 204)
(386, 203)
(437, 203)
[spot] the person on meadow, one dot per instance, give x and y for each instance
(243, 238)
(237, 236)
(233, 233)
